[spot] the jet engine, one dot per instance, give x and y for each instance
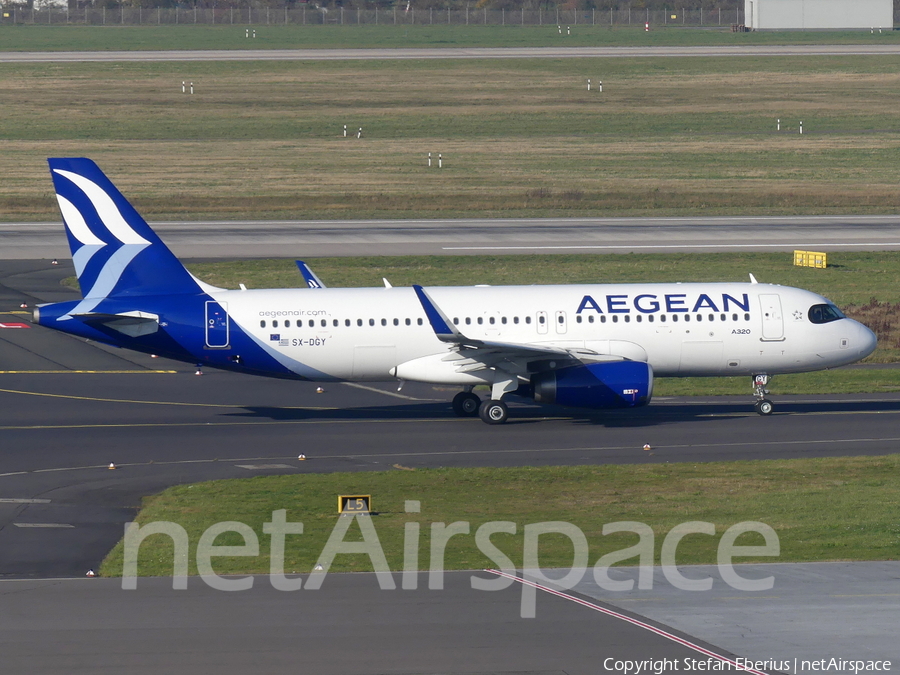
(617, 384)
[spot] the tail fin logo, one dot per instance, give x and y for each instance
(123, 246)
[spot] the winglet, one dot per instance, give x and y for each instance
(309, 276)
(443, 327)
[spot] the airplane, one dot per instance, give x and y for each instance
(581, 345)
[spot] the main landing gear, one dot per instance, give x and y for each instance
(492, 411)
(466, 404)
(763, 406)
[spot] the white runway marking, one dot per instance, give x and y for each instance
(635, 622)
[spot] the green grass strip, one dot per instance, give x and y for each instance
(842, 508)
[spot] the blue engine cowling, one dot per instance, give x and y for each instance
(619, 384)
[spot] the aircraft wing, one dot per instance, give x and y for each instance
(470, 354)
(309, 276)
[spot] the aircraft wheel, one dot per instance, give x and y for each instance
(764, 407)
(493, 412)
(466, 404)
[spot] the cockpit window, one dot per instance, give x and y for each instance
(824, 313)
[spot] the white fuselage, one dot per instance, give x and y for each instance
(707, 329)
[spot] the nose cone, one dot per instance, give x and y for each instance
(865, 342)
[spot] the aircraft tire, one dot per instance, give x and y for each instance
(764, 407)
(493, 412)
(466, 404)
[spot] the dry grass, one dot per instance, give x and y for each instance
(677, 136)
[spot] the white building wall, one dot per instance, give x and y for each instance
(818, 14)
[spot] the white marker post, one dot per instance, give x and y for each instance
(192, 87)
(359, 133)
(345, 131)
(589, 85)
(778, 128)
(600, 86)
(801, 127)
(183, 87)
(254, 32)
(440, 161)
(247, 33)
(429, 160)
(568, 30)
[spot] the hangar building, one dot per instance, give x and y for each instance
(818, 14)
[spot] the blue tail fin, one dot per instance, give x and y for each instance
(115, 252)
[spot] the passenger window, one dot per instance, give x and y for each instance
(262, 324)
(542, 319)
(336, 323)
(687, 317)
(627, 318)
(408, 322)
(455, 321)
(615, 318)
(275, 323)
(324, 323)
(515, 319)
(396, 322)
(699, 317)
(503, 320)
(346, 322)
(675, 318)
(746, 317)
(384, 322)
(287, 323)
(311, 323)
(603, 318)
(638, 318)
(590, 318)
(527, 319)
(359, 322)
(650, 318)
(371, 322)
(578, 319)
(468, 321)
(480, 320)
(662, 318)
(734, 317)
(723, 317)
(419, 321)
(491, 321)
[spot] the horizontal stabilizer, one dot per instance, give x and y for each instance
(132, 324)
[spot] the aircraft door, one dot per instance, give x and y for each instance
(560, 322)
(217, 327)
(542, 323)
(772, 321)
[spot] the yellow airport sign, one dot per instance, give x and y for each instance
(354, 504)
(810, 259)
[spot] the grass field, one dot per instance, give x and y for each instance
(111, 37)
(686, 136)
(821, 509)
(866, 285)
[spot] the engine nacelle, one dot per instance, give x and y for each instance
(619, 384)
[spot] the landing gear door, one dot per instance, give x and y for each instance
(772, 322)
(217, 328)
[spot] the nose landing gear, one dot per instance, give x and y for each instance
(763, 406)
